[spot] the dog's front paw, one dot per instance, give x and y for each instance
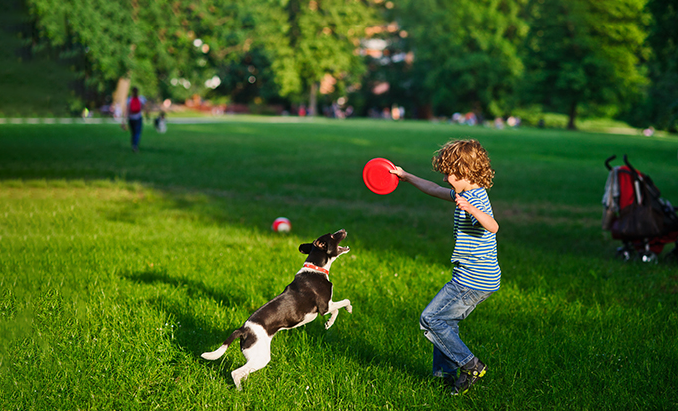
(349, 308)
(329, 323)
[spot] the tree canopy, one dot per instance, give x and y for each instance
(491, 56)
(175, 42)
(659, 105)
(317, 40)
(467, 50)
(584, 52)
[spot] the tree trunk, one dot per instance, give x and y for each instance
(120, 96)
(313, 100)
(425, 112)
(572, 116)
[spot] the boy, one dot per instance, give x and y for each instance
(465, 166)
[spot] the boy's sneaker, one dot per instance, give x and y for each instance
(468, 376)
(450, 380)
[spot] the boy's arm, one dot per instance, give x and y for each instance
(486, 220)
(426, 186)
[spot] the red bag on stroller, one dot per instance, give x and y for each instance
(635, 213)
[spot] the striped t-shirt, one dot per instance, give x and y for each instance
(475, 250)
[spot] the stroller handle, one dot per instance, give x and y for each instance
(626, 161)
(607, 162)
(633, 170)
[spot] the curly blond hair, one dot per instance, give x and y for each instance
(465, 159)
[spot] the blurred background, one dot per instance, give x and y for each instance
(504, 63)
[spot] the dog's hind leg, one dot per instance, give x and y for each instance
(333, 308)
(257, 354)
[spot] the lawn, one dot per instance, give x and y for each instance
(118, 269)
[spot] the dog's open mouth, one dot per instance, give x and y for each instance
(340, 236)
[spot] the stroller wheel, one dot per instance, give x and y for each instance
(649, 257)
(624, 253)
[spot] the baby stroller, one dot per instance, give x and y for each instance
(635, 213)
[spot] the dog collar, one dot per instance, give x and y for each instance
(315, 267)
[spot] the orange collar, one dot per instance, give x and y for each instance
(315, 267)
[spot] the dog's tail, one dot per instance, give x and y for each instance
(221, 350)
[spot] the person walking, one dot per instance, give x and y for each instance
(135, 107)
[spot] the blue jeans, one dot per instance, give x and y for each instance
(440, 322)
(135, 127)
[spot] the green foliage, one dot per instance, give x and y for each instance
(584, 52)
(247, 79)
(317, 38)
(467, 51)
(175, 47)
(33, 84)
(155, 43)
(659, 106)
(580, 57)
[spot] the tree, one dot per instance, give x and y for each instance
(660, 103)
(168, 45)
(467, 51)
(584, 52)
(310, 41)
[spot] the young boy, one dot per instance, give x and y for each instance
(465, 166)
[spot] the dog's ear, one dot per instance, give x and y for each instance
(320, 244)
(306, 248)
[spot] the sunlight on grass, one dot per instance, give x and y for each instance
(118, 270)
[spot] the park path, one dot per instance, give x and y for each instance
(170, 120)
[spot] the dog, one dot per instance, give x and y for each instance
(300, 302)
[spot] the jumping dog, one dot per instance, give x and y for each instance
(300, 302)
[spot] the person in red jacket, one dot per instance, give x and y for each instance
(135, 107)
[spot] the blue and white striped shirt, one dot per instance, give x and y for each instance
(475, 250)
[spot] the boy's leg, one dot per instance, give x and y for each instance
(443, 367)
(440, 320)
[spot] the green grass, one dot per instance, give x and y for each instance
(118, 269)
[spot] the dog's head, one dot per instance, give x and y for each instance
(325, 249)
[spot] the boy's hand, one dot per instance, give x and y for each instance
(488, 222)
(462, 203)
(398, 171)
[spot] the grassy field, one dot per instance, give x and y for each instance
(118, 269)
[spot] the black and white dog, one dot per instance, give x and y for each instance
(309, 294)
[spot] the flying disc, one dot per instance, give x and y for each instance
(377, 177)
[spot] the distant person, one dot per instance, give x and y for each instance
(386, 113)
(395, 112)
(465, 166)
(161, 123)
(135, 107)
(117, 111)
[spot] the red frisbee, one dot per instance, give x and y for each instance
(377, 177)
